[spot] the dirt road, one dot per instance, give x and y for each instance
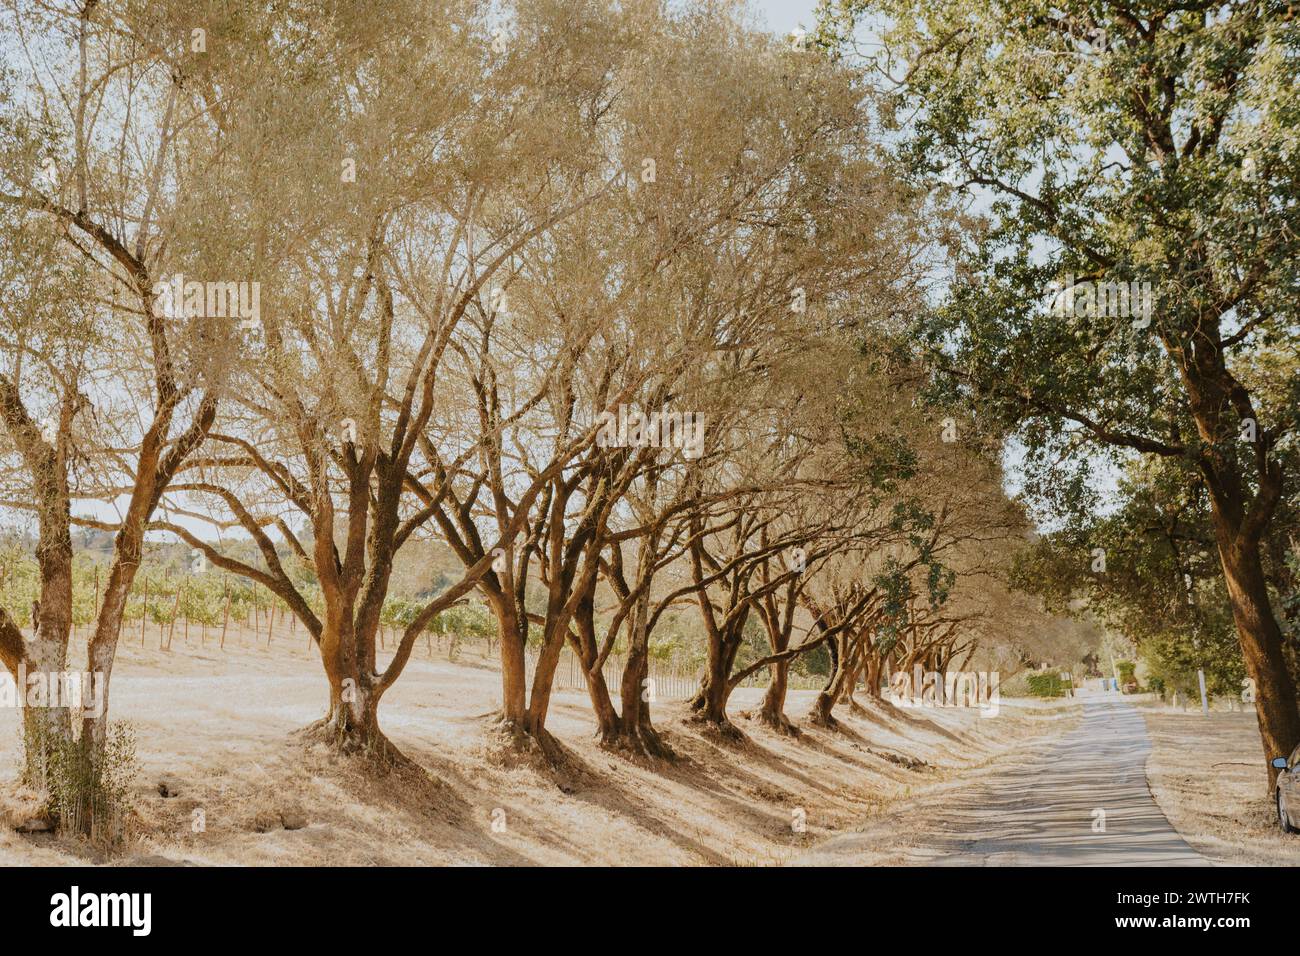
(1081, 800)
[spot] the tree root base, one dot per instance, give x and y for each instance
(777, 722)
(642, 742)
(371, 747)
(825, 721)
(510, 744)
(719, 727)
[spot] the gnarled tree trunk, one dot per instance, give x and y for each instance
(1261, 647)
(772, 711)
(821, 713)
(709, 705)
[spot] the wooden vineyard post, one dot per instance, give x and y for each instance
(225, 621)
(144, 615)
(171, 627)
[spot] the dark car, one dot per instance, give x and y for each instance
(1288, 791)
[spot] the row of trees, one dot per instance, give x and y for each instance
(611, 302)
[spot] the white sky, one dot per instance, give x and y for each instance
(782, 16)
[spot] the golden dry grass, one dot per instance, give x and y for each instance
(1208, 776)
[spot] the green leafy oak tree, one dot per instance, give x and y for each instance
(1152, 575)
(1121, 142)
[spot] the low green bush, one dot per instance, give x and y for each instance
(1046, 684)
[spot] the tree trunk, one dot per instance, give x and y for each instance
(874, 666)
(523, 722)
(544, 679)
(821, 713)
(514, 665)
(602, 705)
(709, 705)
(351, 726)
(772, 712)
(1261, 647)
(636, 732)
(587, 650)
(852, 673)
(47, 729)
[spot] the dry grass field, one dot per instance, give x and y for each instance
(1207, 774)
(216, 730)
